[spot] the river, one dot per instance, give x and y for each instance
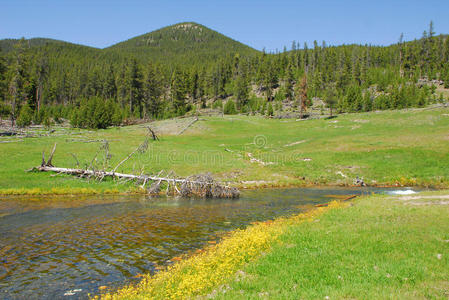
(64, 247)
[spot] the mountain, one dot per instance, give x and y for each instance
(195, 67)
(7, 45)
(182, 43)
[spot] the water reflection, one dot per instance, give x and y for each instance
(67, 249)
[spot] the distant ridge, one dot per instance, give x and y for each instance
(186, 42)
(182, 41)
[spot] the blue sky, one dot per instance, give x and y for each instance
(269, 24)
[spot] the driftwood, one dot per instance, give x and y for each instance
(142, 148)
(202, 185)
(153, 134)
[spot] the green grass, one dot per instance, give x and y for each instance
(406, 147)
(382, 247)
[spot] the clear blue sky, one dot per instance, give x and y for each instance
(269, 24)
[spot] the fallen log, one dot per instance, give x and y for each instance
(199, 185)
(153, 134)
(188, 125)
(202, 185)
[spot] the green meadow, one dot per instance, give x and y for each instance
(382, 247)
(406, 147)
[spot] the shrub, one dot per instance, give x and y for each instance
(229, 108)
(95, 113)
(218, 104)
(25, 116)
(5, 110)
(270, 111)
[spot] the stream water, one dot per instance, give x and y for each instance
(65, 248)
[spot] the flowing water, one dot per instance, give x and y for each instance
(67, 247)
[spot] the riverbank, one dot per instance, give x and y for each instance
(380, 246)
(215, 265)
(388, 148)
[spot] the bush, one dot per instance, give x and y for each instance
(5, 110)
(117, 117)
(270, 111)
(229, 108)
(25, 116)
(218, 104)
(95, 113)
(47, 122)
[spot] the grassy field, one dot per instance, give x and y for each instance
(380, 247)
(408, 147)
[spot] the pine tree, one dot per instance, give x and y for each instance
(401, 54)
(367, 103)
(241, 87)
(301, 94)
(270, 111)
(117, 116)
(431, 33)
(289, 82)
(18, 77)
(331, 99)
(2, 85)
(25, 116)
(109, 85)
(270, 79)
(134, 88)
(41, 74)
(178, 92)
(152, 92)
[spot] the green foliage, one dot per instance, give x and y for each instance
(47, 122)
(5, 110)
(25, 116)
(270, 111)
(183, 43)
(218, 104)
(241, 91)
(94, 113)
(229, 108)
(255, 103)
(331, 99)
(263, 108)
(280, 95)
(192, 64)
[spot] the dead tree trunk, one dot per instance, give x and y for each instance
(198, 185)
(153, 134)
(188, 125)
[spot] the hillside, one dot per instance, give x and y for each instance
(7, 45)
(188, 67)
(181, 43)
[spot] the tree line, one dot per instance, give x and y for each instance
(94, 88)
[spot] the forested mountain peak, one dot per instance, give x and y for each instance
(182, 42)
(181, 33)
